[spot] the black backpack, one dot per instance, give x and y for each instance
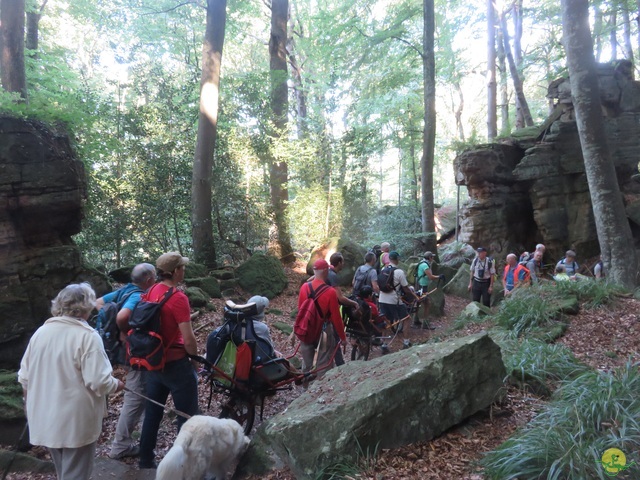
(145, 347)
(377, 251)
(385, 279)
(105, 324)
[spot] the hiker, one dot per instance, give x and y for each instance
(384, 257)
(483, 272)
(328, 304)
(377, 320)
(66, 375)
(391, 303)
(336, 264)
(264, 350)
(143, 276)
(535, 267)
(515, 275)
(366, 275)
(423, 275)
(526, 257)
(598, 269)
(569, 263)
(179, 375)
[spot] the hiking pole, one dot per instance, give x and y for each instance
(164, 407)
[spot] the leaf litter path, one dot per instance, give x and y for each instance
(602, 338)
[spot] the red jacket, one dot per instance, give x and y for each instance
(328, 302)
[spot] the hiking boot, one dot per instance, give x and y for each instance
(406, 344)
(377, 342)
(416, 325)
(131, 451)
(384, 348)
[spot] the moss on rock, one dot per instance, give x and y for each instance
(209, 285)
(262, 275)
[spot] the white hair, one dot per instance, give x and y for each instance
(540, 247)
(142, 272)
(75, 300)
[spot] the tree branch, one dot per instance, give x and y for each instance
(188, 2)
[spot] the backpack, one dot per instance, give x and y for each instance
(489, 264)
(385, 279)
(145, 347)
(107, 328)
(412, 273)
(360, 278)
(525, 259)
(377, 251)
(309, 320)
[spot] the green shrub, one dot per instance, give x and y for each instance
(527, 309)
(591, 293)
(589, 414)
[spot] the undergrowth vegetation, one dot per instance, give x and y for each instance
(588, 415)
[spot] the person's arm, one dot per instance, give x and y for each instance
(405, 285)
(342, 300)
(373, 278)
(190, 344)
(336, 317)
(100, 303)
(471, 276)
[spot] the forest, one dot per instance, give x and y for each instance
(318, 112)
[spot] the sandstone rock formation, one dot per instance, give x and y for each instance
(42, 191)
(413, 395)
(260, 275)
(353, 257)
(524, 191)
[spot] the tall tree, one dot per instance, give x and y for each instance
(628, 47)
(521, 101)
(613, 27)
(279, 237)
(492, 88)
(12, 74)
(429, 134)
(201, 194)
(517, 12)
(614, 233)
(504, 86)
(34, 14)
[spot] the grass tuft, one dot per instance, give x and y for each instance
(591, 294)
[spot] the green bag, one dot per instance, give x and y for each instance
(227, 362)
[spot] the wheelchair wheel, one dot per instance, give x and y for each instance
(242, 411)
(360, 350)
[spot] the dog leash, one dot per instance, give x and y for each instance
(164, 407)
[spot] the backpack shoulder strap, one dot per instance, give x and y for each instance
(122, 299)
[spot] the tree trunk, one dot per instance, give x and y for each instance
(459, 110)
(504, 87)
(280, 240)
(201, 194)
(492, 89)
(33, 27)
(12, 74)
(597, 30)
(613, 28)
(517, 55)
(429, 134)
(298, 87)
(517, 82)
(628, 47)
(614, 233)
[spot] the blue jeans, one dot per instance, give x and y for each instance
(178, 378)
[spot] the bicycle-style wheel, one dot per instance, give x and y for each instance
(242, 411)
(360, 350)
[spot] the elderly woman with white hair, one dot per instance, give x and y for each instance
(66, 376)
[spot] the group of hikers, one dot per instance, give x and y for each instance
(527, 269)
(66, 373)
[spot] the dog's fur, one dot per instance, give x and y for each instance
(206, 447)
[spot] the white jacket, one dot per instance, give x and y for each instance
(67, 376)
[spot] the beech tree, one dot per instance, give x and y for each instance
(429, 133)
(12, 74)
(492, 88)
(614, 233)
(279, 236)
(201, 195)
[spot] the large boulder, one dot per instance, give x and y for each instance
(42, 193)
(353, 257)
(209, 285)
(459, 284)
(262, 275)
(413, 395)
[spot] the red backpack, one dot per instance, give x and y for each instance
(309, 320)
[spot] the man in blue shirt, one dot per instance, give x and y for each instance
(143, 276)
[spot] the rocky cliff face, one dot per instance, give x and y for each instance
(42, 190)
(526, 191)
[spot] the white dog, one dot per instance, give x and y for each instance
(206, 447)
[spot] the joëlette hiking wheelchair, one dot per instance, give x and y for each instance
(363, 332)
(242, 367)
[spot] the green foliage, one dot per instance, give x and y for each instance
(396, 225)
(588, 415)
(527, 309)
(591, 293)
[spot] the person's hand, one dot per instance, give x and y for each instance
(120, 386)
(442, 277)
(469, 287)
(490, 289)
(292, 339)
(343, 344)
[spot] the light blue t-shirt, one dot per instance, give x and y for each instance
(119, 294)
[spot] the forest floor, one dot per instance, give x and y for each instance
(602, 338)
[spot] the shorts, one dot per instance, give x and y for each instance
(394, 313)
